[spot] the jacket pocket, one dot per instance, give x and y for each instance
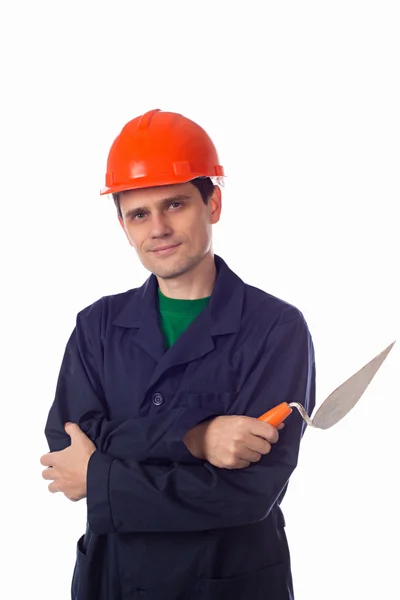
(220, 401)
(272, 583)
(79, 589)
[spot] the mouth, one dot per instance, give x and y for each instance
(165, 250)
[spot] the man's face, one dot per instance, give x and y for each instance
(169, 226)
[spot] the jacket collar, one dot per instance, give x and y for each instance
(224, 309)
(222, 316)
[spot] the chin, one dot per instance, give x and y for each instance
(171, 272)
(174, 269)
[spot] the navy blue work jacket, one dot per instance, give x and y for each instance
(161, 524)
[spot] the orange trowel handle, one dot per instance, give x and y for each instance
(276, 415)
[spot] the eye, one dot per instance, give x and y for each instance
(175, 204)
(138, 216)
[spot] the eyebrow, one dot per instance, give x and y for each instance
(165, 201)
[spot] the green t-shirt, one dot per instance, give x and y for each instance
(177, 315)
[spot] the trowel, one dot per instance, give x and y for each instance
(338, 404)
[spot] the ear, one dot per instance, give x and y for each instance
(121, 222)
(215, 205)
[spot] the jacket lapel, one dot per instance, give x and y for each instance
(141, 314)
(222, 316)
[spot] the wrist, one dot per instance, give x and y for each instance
(194, 440)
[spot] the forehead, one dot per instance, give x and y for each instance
(156, 195)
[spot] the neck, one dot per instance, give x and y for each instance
(196, 283)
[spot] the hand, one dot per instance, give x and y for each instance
(231, 442)
(68, 467)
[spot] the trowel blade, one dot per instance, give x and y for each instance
(345, 397)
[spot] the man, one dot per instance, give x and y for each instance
(154, 420)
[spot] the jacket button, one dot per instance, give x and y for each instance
(158, 399)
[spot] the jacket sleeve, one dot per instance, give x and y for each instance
(127, 496)
(80, 399)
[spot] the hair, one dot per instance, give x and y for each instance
(203, 184)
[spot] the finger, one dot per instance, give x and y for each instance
(265, 430)
(49, 474)
(53, 488)
(281, 426)
(46, 460)
(49, 459)
(258, 444)
(250, 456)
(242, 464)
(72, 429)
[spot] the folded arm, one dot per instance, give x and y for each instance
(125, 495)
(80, 399)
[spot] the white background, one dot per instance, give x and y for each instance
(302, 100)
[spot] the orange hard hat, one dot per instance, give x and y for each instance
(160, 148)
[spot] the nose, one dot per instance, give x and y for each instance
(159, 226)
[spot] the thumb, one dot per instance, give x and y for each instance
(72, 428)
